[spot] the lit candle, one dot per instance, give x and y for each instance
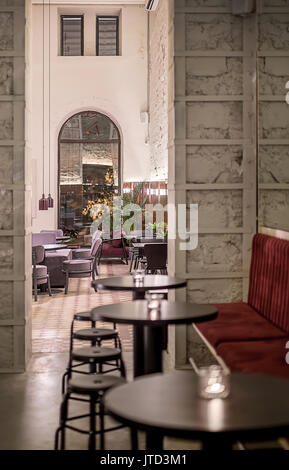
(213, 382)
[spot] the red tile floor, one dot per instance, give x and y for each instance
(52, 316)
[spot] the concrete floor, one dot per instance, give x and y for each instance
(29, 409)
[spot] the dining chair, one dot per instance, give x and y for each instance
(155, 258)
(40, 275)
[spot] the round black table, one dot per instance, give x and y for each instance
(149, 328)
(168, 405)
(53, 247)
(151, 282)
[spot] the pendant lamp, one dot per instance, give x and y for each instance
(43, 202)
(49, 199)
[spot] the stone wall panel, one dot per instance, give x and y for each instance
(214, 76)
(216, 253)
(6, 347)
(6, 300)
(273, 75)
(6, 121)
(6, 76)
(218, 208)
(274, 164)
(273, 32)
(211, 32)
(6, 31)
(6, 255)
(205, 291)
(274, 209)
(6, 165)
(214, 120)
(214, 164)
(6, 209)
(274, 120)
(208, 3)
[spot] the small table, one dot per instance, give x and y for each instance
(54, 247)
(169, 405)
(151, 282)
(148, 354)
(62, 239)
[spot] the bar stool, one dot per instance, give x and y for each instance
(94, 387)
(95, 336)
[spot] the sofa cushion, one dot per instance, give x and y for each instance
(78, 267)
(108, 250)
(117, 243)
(265, 357)
(237, 322)
(81, 253)
(269, 279)
(40, 273)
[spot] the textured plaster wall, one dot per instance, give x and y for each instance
(15, 221)
(215, 149)
(273, 69)
(158, 91)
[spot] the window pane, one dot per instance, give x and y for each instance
(89, 126)
(71, 35)
(107, 31)
(82, 177)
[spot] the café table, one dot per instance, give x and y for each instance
(126, 283)
(54, 247)
(169, 405)
(62, 239)
(148, 354)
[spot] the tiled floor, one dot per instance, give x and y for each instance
(52, 316)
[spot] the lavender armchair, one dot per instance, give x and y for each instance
(53, 259)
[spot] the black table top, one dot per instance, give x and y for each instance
(142, 244)
(135, 313)
(257, 406)
(151, 282)
(52, 247)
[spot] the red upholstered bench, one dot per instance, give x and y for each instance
(252, 337)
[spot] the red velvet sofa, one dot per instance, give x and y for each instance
(114, 248)
(254, 336)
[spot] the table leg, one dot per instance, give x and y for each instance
(152, 349)
(138, 342)
(138, 351)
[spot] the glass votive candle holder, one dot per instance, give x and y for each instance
(213, 382)
(138, 276)
(154, 304)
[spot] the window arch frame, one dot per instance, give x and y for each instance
(85, 141)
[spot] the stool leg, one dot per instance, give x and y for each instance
(101, 419)
(66, 282)
(131, 262)
(91, 441)
(122, 368)
(133, 439)
(63, 418)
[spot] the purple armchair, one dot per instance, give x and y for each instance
(53, 259)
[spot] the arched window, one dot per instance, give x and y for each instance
(89, 161)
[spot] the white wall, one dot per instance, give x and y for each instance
(116, 86)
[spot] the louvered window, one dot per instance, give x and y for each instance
(71, 35)
(107, 36)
